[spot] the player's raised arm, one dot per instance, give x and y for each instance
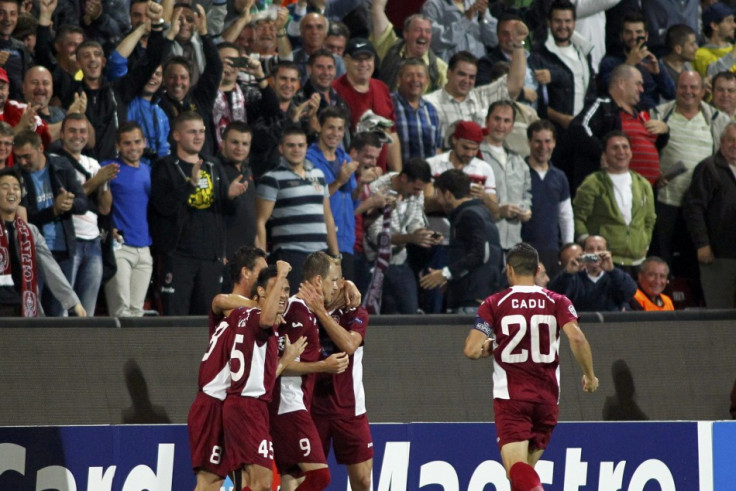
(271, 311)
(583, 354)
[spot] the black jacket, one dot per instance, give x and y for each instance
(201, 96)
(61, 174)
(475, 258)
(169, 208)
(709, 207)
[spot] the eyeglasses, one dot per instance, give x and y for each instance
(6, 143)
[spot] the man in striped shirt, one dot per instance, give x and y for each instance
(294, 200)
(417, 123)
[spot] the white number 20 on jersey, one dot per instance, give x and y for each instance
(537, 322)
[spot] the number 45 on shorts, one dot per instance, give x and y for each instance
(265, 448)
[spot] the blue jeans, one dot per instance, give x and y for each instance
(86, 275)
(399, 290)
(51, 306)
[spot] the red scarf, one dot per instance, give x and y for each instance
(27, 251)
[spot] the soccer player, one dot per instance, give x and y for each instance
(244, 267)
(297, 445)
(520, 328)
(338, 405)
(243, 333)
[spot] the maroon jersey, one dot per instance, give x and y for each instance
(254, 355)
(525, 323)
(215, 320)
(342, 395)
(294, 392)
(214, 370)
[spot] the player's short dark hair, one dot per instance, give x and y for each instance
(561, 5)
(317, 264)
(127, 127)
(540, 125)
(417, 169)
(677, 35)
(614, 134)
(464, 56)
(320, 53)
(13, 172)
(502, 103)
(524, 259)
(292, 130)
(262, 281)
(185, 117)
(72, 117)
(455, 181)
(363, 139)
(506, 17)
(244, 257)
(27, 137)
(585, 241)
(332, 112)
(239, 126)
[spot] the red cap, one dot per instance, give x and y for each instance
(4, 76)
(468, 130)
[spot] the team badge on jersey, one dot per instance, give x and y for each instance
(572, 310)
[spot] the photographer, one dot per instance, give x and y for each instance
(590, 279)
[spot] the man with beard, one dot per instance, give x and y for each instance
(657, 83)
(566, 55)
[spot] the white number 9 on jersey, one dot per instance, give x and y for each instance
(537, 320)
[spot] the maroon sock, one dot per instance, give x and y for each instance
(315, 480)
(524, 478)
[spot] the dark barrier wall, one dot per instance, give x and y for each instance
(679, 366)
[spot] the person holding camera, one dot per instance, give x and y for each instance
(590, 279)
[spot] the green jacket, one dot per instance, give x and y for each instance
(596, 213)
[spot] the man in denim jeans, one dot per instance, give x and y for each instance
(86, 271)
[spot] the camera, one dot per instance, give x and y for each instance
(590, 258)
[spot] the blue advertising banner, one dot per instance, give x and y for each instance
(429, 456)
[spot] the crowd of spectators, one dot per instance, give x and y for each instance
(152, 140)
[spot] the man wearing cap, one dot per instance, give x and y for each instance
(717, 54)
(362, 93)
(482, 190)
(464, 142)
(417, 122)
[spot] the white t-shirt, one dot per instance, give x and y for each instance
(623, 194)
(579, 68)
(85, 226)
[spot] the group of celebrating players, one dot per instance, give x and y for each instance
(282, 380)
(282, 377)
